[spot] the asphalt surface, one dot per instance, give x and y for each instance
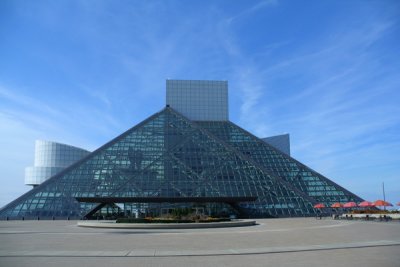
(273, 242)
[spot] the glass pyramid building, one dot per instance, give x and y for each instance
(171, 158)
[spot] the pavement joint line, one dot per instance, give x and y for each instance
(180, 253)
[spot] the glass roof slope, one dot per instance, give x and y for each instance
(315, 185)
(166, 155)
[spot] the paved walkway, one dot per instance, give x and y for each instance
(287, 241)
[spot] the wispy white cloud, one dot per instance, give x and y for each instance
(25, 102)
(98, 95)
(252, 9)
(341, 110)
(51, 120)
(16, 143)
(330, 82)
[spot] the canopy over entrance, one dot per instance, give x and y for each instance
(109, 200)
(232, 201)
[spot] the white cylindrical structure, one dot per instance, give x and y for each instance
(51, 158)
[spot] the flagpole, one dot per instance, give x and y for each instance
(384, 197)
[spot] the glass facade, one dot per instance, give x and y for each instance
(199, 100)
(168, 155)
(280, 142)
(280, 165)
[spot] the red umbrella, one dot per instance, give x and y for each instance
(382, 203)
(366, 204)
(350, 205)
(337, 205)
(319, 206)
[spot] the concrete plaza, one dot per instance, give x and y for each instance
(274, 242)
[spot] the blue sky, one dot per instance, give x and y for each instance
(327, 72)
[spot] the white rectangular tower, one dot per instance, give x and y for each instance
(199, 100)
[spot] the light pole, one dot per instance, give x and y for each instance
(384, 196)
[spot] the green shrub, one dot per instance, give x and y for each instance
(131, 220)
(158, 220)
(147, 220)
(214, 220)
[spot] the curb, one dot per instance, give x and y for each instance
(113, 225)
